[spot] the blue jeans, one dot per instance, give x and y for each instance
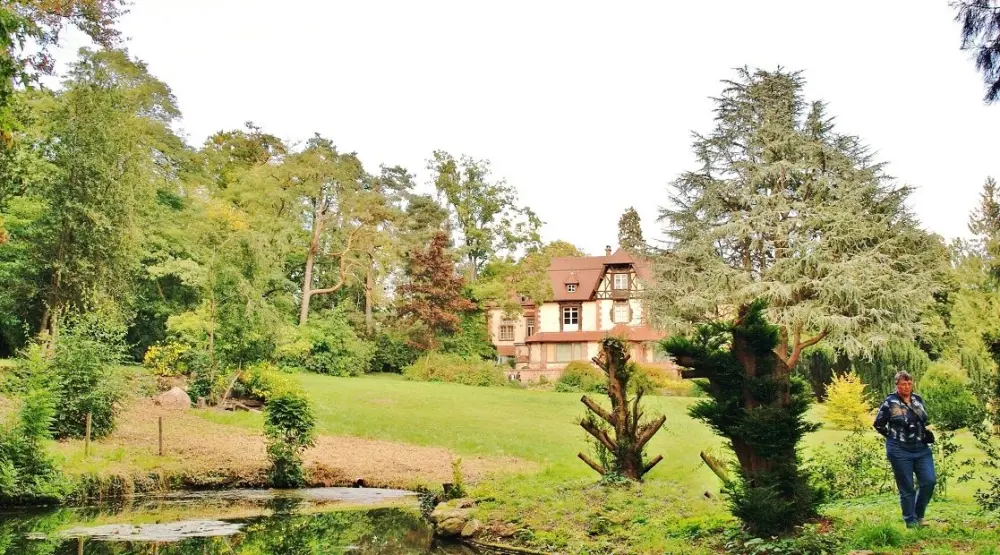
(906, 461)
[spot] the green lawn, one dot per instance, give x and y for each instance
(560, 508)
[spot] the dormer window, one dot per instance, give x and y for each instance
(571, 288)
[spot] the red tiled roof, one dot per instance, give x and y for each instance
(505, 350)
(637, 333)
(586, 272)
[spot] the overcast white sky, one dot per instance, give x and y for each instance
(586, 107)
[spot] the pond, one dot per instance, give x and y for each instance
(242, 522)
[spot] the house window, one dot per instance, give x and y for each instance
(621, 313)
(621, 281)
(529, 323)
(571, 288)
(571, 315)
(568, 352)
(507, 331)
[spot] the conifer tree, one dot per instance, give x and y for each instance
(783, 212)
(630, 232)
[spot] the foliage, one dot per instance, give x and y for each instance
(393, 352)
(288, 426)
(484, 212)
(440, 367)
(784, 208)
(502, 282)
(878, 369)
(457, 481)
(81, 370)
(165, 359)
(760, 409)
(472, 340)
(950, 401)
(658, 380)
(263, 381)
(847, 405)
(334, 347)
(630, 232)
(808, 539)
(432, 295)
(582, 376)
(980, 21)
(28, 474)
(853, 467)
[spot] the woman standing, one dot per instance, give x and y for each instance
(902, 419)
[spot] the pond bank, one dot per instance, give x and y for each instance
(328, 520)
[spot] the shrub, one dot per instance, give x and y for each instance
(582, 376)
(472, 340)
(951, 404)
(663, 381)
(27, 473)
(855, 467)
(166, 359)
(263, 381)
(288, 426)
(847, 406)
(393, 352)
(440, 367)
(333, 347)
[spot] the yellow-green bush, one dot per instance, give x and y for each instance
(847, 404)
(439, 367)
(663, 381)
(582, 376)
(263, 381)
(165, 359)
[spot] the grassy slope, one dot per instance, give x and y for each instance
(560, 508)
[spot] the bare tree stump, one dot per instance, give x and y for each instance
(625, 419)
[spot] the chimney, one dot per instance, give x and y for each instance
(607, 250)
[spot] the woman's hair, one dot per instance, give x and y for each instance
(903, 376)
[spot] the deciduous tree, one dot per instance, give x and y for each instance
(485, 212)
(432, 293)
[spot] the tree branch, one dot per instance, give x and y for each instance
(652, 463)
(647, 432)
(599, 435)
(609, 418)
(591, 463)
(797, 350)
(344, 264)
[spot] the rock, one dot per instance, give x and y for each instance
(451, 517)
(176, 398)
(472, 529)
(450, 527)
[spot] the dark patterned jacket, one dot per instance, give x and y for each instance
(902, 423)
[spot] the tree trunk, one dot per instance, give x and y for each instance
(310, 261)
(369, 295)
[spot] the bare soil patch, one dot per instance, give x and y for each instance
(195, 446)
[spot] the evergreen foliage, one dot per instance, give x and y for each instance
(980, 21)
(630, 232)
(847, 405)
(757, 405)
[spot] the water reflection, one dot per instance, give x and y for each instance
(282, 525)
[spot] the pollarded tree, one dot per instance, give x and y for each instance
(786, 211)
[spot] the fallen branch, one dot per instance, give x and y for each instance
(716, 467)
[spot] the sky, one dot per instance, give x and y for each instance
(587, 108)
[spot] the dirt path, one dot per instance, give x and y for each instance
(196, 446)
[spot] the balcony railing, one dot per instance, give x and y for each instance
(620, 294)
